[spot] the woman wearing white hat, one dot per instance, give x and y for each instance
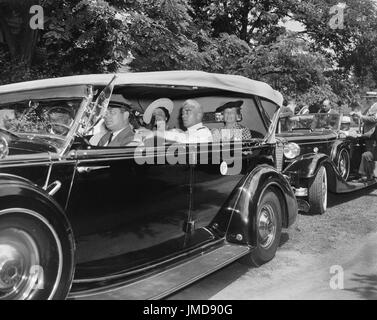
(155, 117)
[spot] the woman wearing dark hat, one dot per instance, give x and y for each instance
(232, 129)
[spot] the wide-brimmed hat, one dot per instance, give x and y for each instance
(230, 105)
(160, 103)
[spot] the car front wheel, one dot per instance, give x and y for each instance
(318, 192)
(344, 163)
(36, 256)
(268, 227)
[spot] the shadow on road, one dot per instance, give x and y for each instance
(367, 286)
(336, 199)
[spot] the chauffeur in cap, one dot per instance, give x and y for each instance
(119, 131)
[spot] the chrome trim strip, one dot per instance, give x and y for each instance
(44, 220)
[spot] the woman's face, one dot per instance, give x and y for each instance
(230, 116)
(159, 115)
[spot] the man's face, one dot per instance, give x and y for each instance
(116, 119)
(326, 105)
(8, 119)
(190, 115)
(230, 115)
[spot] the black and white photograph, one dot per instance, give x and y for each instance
(195, 152)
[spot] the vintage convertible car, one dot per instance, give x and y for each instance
(83, 221)
(319, 156)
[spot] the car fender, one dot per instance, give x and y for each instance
(244, 201)
(307, 165)
(15, 187)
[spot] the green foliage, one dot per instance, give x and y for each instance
(245, 37)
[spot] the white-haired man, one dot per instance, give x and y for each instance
(192, 117)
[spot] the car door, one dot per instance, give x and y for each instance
(126, 212)
(221, 166)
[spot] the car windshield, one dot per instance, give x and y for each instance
(46, 117)
(317, 121)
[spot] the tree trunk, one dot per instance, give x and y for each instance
(245, 20)
(19, 37)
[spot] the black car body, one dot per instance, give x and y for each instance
(319, 157)
(103, 222)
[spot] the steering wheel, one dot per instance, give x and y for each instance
(58, 128)
(55, 127)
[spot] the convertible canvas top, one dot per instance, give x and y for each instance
(225, 82)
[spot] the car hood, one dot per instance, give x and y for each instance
(28, 145)
(308, 136)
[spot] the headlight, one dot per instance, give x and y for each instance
(291, 150)
(4, 149)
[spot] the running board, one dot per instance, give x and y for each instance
(172, 279)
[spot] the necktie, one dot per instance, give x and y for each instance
(110, 138)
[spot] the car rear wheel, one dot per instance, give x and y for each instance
(268, 228)
(318, 192)
(344, 164)
(36, 256)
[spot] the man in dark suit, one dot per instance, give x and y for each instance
(367, 165)
(119, 133)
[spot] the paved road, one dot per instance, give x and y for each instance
(311, 260)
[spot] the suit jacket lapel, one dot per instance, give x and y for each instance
(124, 137)
(104, 139)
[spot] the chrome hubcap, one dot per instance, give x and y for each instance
(266, 226)
(18, 256)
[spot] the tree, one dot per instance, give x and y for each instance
(14, 26)
(83, 36)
